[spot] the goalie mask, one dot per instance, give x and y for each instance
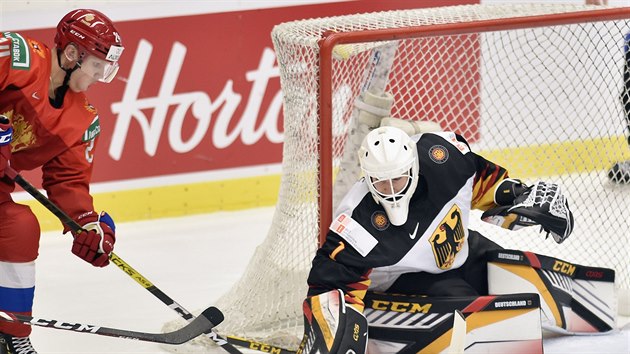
(389, 160)
(97, 40)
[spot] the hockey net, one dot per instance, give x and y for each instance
(535, 88)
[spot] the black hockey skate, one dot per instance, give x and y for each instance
(620, 172)
(15, 345)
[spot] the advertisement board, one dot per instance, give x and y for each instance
(193, 121)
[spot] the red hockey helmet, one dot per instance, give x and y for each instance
(92, 31)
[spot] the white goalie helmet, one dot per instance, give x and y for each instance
(389, 160)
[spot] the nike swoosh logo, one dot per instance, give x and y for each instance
(413, 235)
(35, 95)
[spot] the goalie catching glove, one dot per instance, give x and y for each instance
(540, 204)
(96, 240)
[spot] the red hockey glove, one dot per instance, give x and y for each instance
(96, 241)
(6, 135)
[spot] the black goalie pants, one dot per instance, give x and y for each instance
(471, 279)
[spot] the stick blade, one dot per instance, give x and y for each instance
(214, 315)
(202, 324)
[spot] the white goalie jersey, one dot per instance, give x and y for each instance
(363, 249)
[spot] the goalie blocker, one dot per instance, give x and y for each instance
(574, 299)
(332, 327)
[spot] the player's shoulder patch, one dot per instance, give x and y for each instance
(450, 138)
(93, 130)
(16, 46)
(37, 47)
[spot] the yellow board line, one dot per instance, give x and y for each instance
(560, 158)
(176, 200)
(243, 193)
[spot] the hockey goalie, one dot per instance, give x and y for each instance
(399, 261)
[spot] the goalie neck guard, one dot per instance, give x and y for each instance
(389, 160)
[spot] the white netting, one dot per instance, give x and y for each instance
(541, 101)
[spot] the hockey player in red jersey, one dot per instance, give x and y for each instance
(403, 229)
(51, 124)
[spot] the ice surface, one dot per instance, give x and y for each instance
(193, 260)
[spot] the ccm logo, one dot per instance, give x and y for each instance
(77, 34)
(594, 274)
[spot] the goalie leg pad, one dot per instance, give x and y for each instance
(422, 324)
(332, 327)
(574, 299)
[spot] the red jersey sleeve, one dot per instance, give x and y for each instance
(66, 179)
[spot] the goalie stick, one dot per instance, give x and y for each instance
(122, 265)
(202, 324)
(375, 79)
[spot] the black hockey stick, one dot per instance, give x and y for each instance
(122, 265)
(202, 324)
